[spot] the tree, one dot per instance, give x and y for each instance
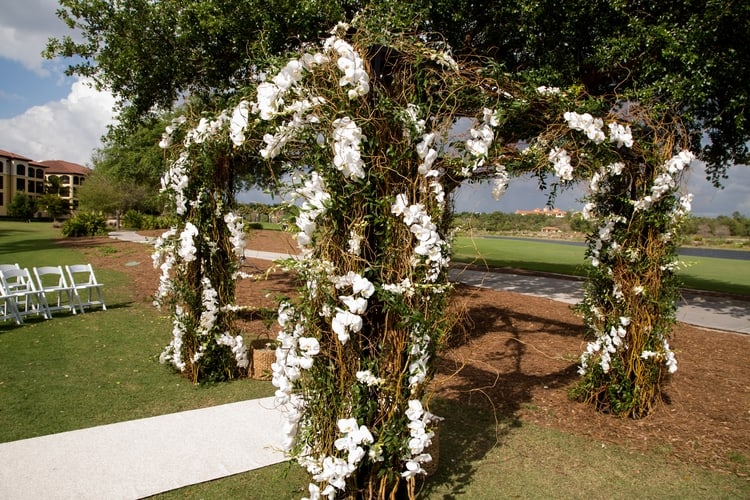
(53, 205)
(100, 194)
(22, 206)
(690, 57)
(132, 161)
(150, 54)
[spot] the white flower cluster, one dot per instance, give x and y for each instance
(478, 146)
(666, 180)
(419, 438)
(209, 307)
(175, 179)
(206, 129)
(598, 181)
(238, 347)
(405, 287)
(347, 159)
(166, 138)
(427, 155)
(351, 64)
(236, 228)
(500, 181)
(294, 353)
(606, 228)
(164, 258)
(349, 320)
(587, 124)
(333, 471)
(544, 90)
(620, 135)
(315, 200)
(430, 245)
(270, 102)
(444, 58)
(238, 122)
(173, 352)
(560, 160)
(418, 357)
(187, 250)
(366, 377)
(667, 355)
(607, 344)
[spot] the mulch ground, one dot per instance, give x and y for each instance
(517, 355)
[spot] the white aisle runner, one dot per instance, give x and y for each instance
(138, 458)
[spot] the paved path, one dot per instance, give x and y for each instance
(694, 308)
(140, 458)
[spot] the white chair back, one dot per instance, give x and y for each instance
(18, 284)
(87, 291)
(52, 283)
(9, 308)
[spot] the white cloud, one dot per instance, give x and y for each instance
(25, 28)
(69, 129)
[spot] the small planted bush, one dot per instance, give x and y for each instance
(84, 224)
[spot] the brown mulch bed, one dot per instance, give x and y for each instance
(518, 356)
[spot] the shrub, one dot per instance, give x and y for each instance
(84, 224)
(133, 219)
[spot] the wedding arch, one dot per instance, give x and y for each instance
(365, 126)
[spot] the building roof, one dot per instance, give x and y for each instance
(63, 167)
(14, 156)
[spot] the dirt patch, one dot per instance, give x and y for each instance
(518, 355)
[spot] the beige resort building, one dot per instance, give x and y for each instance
(19, 174)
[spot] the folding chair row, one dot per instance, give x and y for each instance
(52, 290)
(20, 295)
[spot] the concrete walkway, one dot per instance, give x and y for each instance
(140, 458)
(706, 310)
(711, 311)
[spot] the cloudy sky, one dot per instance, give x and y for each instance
(45, 115)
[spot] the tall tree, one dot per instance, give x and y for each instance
(689, 56)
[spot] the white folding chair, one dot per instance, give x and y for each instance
(13, 283)
(51, 280)
(18, 285)
(84, 284)
(10, 309)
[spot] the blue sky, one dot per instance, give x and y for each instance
(47, 116)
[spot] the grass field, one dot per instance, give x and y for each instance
(101, 367)
(703, 273)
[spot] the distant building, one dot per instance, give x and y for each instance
(71, 177)
(19, 174)
(549, 212)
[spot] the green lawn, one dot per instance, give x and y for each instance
(102, 367)
(482, 458)
(722, 275)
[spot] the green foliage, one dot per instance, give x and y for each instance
(53, 205)
(84, 224)
(152, 53)
(22, 206)
(508, 222)
(128, 168)
(686, 56)
(134, 219)
(102, 193)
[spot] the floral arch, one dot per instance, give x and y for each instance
(364, 125)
